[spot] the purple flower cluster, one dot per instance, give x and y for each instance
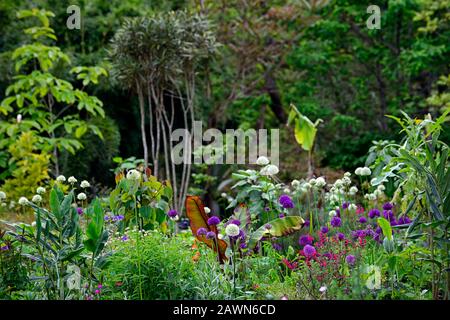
(374, 213)
(305, 240)
(286, 201)
(116, 218)
(350, 259)
(172, 213)
(213, 221)
(336, 222)
(201, 232)
(210, 235)
(404, 220)
(340, 236)
(324, 229)
(80, 211)
(309, 251)
(362, 219)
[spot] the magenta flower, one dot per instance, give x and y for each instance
(305, 240)
(309, 251)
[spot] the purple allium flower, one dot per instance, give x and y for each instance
(124, 238)
(305, 240)
(100, 286)
(336, 222)
(281, 215)
(374, 213)
(236, 222)
(201, 232)
(393, 222)
(306, 223)
(266, 209)
(404, 220)
(277, 246)
(172, 213)
(214, 220)
(210, 235)
(286, 201)
(338, 212)
(358, 234)
(268, 226)
(376, 237)
(362, 219)
(378, 230)
(80, 211)
(4, 248)
(106, 218)
(184, 224)
(242, 235)
(387, 206)
(309, 251)
(388, 214)
(350, 259)
(243, 245)
(345, 205)
(340, 236)
(324, 229)
(118, 217)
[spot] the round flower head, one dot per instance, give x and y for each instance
(269, 170)
(2, 195)
(133, 175)
(350, 259)
(201, 232)
(281, 215)
(347, 174)
(305, 239)
(320, 182)
(23, 201)
(366, 171)
(214, 220)
(336, 222)
(207, 210)
(172, 214)
(374, 213)
(362, 219)
(262, 161)
(210, 235)
(232, 230)
(85, 184)
(40, 190)
(36, 198)
(387, 206)
(61, 178)
(81, 196)
(80, 211)
(324, 229)
(309, 251)
(352, 207)
(286, 201)
(268, 226)
(353, 190)
(332, 213)
(72, 180)
(323, 289)
(340, 236)
(312, 181)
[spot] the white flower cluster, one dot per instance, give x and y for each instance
(133, 175)
(306, 186)
(232, 230)
(365, 171)
(269, 170)
(2, 198)
(377, 194)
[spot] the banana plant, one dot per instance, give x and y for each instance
(305, 133)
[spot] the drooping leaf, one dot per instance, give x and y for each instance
(195, 211)
(279, 227)
(385, 227)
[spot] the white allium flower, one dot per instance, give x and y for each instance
(332, 213)
(85, 184)
(353, 190)
(36, 198)
(223, 195)
(133, 175)
(352, 207)
(23, 201)
(323, 289)
(269, 170)
(262, 161)
(295, 183)
(286, 190)
(346, 181)
(220, 236)
(81, 196)
(307, 185)
(312, 181)
(2, 195)
(339, 183)
(320, 182)
(12, 204)
(232, 230)
(358, 171)
(347, 174)
(72, 180)
(334, 198)
(366, 171)
(33, 224)
(61, 178)
(207, 210)
(19, 118)
(3, 204)
(378, 193)
(40, 190)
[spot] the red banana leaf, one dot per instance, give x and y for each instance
(198, 218)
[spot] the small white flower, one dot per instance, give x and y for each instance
(286, 190)
(12, 204)
(366, 171)
(223, 195)
(81, 196)
(2, 195)
(353, 190)
(19, 118)
(307, 185)
(220, 236)
(36, 198)
(320, 182)
(232, 230)
(347, 174)
(378, 193)
(295, 183)
(334, 198)
(23, 201)
(352, 207)
(133, 175)
(262, 161)
(323, 289)
(72, 180)
(358, 171)
(347, 181)
(339, 183)
(40, 190)
(61, 178)
(332, 213)
(312, 181)
(269, 170)
(207, 210)
(3, 204)
(85, 184)
(33, 224)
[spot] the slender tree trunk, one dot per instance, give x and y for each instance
(142, 114)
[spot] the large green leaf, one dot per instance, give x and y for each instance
(305, 132)
(279, 227)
